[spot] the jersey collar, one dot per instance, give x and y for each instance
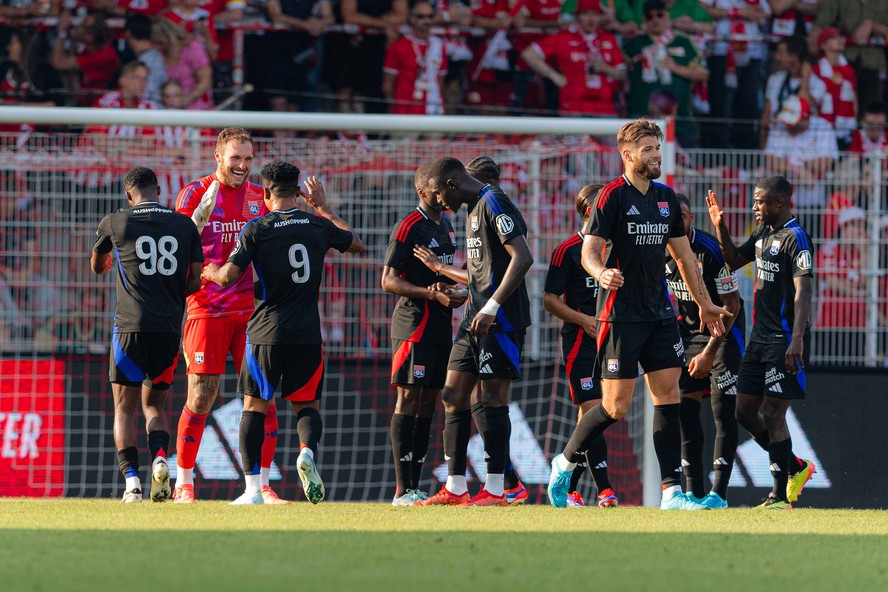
(693, 234)
(788, 222)
(290, 211)
(424, 215)
(146, 203)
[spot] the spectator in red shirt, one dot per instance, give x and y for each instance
(91, 68)
(415, 66)
(490, 87)
(540, 14)
(872, 136)
(590, 68)
(840, 105)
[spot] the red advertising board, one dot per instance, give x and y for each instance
(32, 428)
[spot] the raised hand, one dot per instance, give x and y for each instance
(716, 215)
(314, 194)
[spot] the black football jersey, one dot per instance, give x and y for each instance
(421, 320)
(779, 255)
(636, 227)
(154, 247)
(567, 276)
(717, 278)
(492, 222)
(287, 250)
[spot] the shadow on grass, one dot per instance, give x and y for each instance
(315, 560)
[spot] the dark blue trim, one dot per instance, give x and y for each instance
(261, 279)
(802, 379)
(120, 270)
(241, 233)
(123, 363)
(500, 314)
(510, 349)
(787, 330)
(662, 185)
(266, 390)
(710, 245)
(739, 338)
(490, 199)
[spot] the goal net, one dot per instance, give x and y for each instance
(56, 411)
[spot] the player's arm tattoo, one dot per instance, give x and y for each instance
(680, 249)
(591, 255)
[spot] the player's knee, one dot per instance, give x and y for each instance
(774, 416)
(408, 402)
(453, 400)
(617, 408)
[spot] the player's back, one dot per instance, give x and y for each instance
(154, 248)
(287, 249)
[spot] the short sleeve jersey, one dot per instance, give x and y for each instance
(235, 206)
(287, 250)
(780, 256)
(494, 221)
(717, 278)
(154, 247)
(424, 321)
(636, 227)
(567, 277)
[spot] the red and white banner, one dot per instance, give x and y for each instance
(32, 428)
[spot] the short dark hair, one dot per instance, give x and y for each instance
(139, 26)
(280, 178)
(142, 179)
(484, 169)
(586, 198)
(652, 5)
(797, 46)
(683, 199)
(874, 108)
(132, 66)
(445, 168)
(776, 186)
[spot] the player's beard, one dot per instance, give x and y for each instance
(647, 170)
(228, 178)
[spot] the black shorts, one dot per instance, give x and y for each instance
(297, 368)
(763, 371)
(722, 379)
(655, 345)
(579, 353)
(144, 358)
(496, 355)
(419, 364)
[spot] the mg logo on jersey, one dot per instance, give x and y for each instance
(613, 365)
(664, 208)
(586, 383)
(803, 261)
(419, 371)
(504, 224)
(198, 357)
(254, 208)
(775, 247)
(475, 225)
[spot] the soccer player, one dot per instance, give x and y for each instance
(566, 277)
(159, 260)
(284, 348)
(636, 219)
(711, 365)
(421, 333)
(772, 372)
(488, 344)
(217, 317)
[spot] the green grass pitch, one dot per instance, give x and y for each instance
(97, 545)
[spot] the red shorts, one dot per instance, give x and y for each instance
(208, 341)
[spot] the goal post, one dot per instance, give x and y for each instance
(62, 183)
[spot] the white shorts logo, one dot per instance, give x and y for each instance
(613, 365)
(419, 371)
(586, 383)
(198, 357)
(803, 261)
(504, 224)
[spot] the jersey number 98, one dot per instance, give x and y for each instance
(299, 262)
(157, 257)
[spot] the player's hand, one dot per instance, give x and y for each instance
(716, 215)
(209, 272)
(701, 365)
(428, 258)
(481, 324)
(448, 296)
(314, 194)
(794, 363)
(558, 79)
(711, 318)
(610, 279)
(590, 326)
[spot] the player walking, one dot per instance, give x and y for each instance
(284, 348)
(712, 364)
(488, 344)
(217, 317)
(421, 333)
(772, 372)
(566, 277)
(159, 259)
(636, 218)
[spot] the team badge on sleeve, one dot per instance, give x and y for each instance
(586, 383)
(613, 365)
(664, 208)
(419, 371)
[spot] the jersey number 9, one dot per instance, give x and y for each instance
(299, 262)
(157, 257)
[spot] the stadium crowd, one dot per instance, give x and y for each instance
(704, 61)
